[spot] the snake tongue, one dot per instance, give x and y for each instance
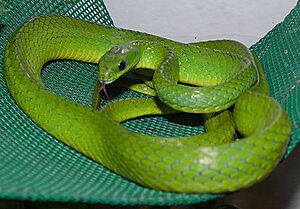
(102, 88)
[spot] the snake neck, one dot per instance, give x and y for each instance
(161, 59)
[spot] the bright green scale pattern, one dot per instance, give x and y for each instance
(170, 164)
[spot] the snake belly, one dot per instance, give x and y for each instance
(168, 164)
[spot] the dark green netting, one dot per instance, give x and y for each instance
(34, 166)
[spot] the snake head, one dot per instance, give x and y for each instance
(116, 62)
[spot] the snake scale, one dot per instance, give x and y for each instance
(206, 77)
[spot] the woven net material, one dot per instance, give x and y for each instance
(35, 166)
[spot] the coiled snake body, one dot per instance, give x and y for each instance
(218, 73)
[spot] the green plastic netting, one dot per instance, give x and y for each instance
(35, 166)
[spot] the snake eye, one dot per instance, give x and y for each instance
(122, 65)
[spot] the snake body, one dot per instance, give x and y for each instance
(226, 71)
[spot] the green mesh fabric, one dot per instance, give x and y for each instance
(35, 166)
(279, 53)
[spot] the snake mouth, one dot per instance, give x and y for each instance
(104, 82)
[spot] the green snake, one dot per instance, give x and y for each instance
(206, 77)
